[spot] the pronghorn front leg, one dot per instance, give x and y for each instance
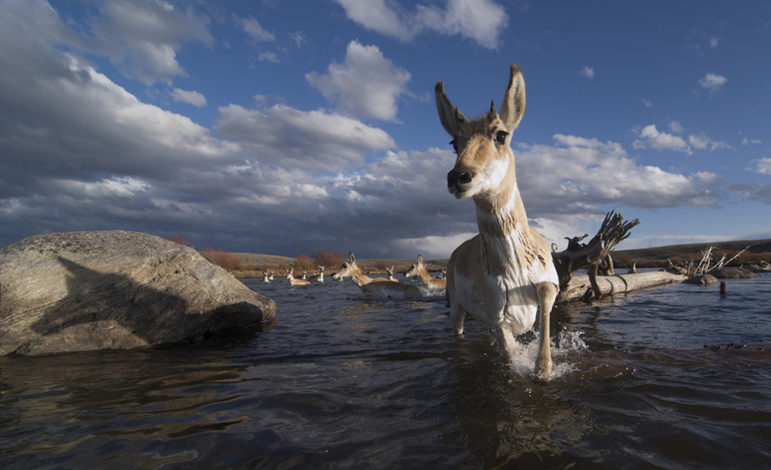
(458, 316)
(547, 293)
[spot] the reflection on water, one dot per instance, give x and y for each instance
(345, 382)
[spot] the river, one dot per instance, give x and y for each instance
(670, 377)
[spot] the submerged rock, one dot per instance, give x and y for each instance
(703, 280)
(733, 273)
(80, 291)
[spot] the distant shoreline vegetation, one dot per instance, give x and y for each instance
(254, 264)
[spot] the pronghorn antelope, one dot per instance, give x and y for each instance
(505, 274)
(388, 289)
(376, 286)
(296, 282)
(319, 277)
(419, 269)
(350, 268)
(390, 271)
(265, 277)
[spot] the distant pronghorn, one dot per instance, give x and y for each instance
(420, 270)
(296, 282)
(505, 274)
(390, 271)
(319, 277)
(265, 277)
(387, 290)
(351, 268)
(376, 286)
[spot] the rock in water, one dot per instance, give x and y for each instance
(81, 291)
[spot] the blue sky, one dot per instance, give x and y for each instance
(288, 127)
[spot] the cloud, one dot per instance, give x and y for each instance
(190, 97)
(268, 57)
(483, 21)
(377, 16)
(757, 191)
(298, 38)
(651, 137)
(366, 84)
(255, 31)
(712, 82)
(312, 140)
(142, 38)
(578, 175)
(80, 152)
(588, 72)
(762, 166)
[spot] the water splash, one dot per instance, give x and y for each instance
(524, 354)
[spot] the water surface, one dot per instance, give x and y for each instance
(340, 381)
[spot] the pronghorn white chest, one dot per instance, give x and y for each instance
(501, 287)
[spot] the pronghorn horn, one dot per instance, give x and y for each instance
(492, 107)
(459, 116)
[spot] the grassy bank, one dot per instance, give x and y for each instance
(245, 265)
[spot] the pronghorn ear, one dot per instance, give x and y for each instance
(514, 102)
(449, 115)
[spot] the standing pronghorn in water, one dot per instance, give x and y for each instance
(505, 274)
(390, 271)
(296, 282)
(419, 269)
(319, 277)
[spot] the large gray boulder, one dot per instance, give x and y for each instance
(80, 291)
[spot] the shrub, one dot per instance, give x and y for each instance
(229, 261)
(327, 258)
(303, 262)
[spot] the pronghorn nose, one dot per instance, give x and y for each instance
(456, 177)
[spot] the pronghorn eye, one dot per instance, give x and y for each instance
(500, 137)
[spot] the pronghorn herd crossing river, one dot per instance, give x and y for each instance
(390, 288)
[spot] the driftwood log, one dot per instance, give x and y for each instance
(592, 254)
(616, 284)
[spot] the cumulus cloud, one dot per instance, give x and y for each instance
(288, 137)
(188, 96)
(712, 82)
(480, 20)
(762, 166)
(255, 31)
(577, 175)
(588, 72)
(366, 84)
(142, 38)
(80, 152)
(651, 137)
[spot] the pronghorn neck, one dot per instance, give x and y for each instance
(425, 276)
(502, 214)
(363, 278)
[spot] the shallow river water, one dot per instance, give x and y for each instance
(340, 381)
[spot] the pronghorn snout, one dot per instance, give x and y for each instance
(457, 179)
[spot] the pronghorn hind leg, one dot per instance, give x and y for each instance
(547, 293)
